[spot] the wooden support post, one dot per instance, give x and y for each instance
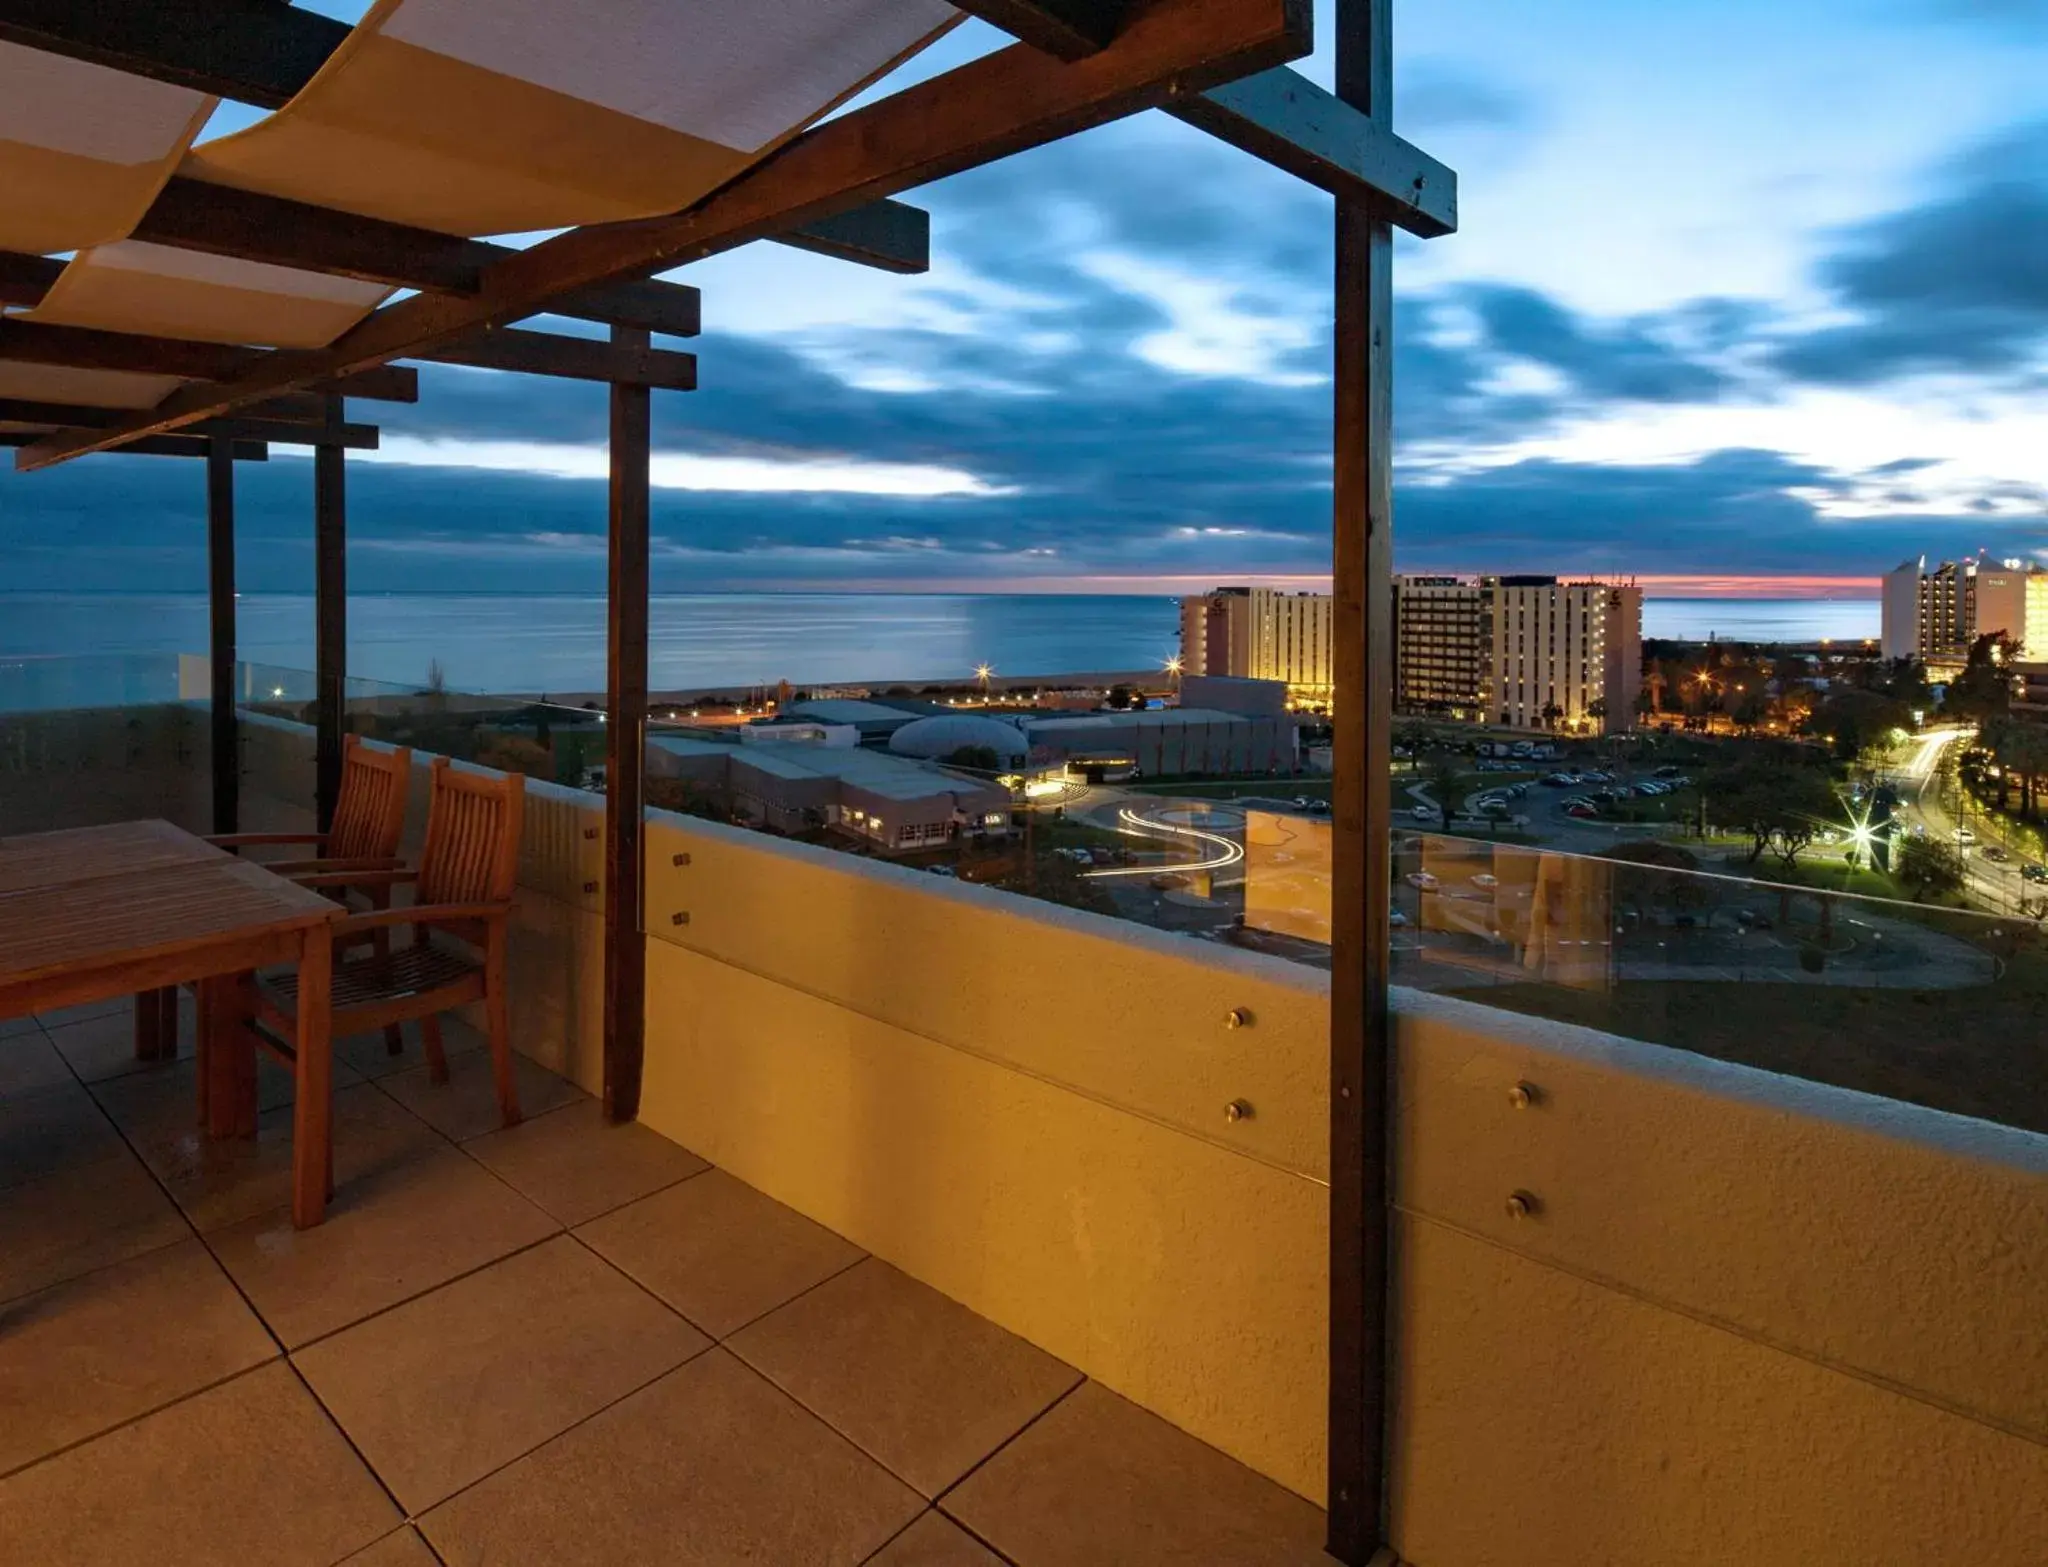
(220, 591)
(625, 761)
(1361, 873)
(330, 617)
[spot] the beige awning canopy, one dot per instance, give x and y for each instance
(465, 117)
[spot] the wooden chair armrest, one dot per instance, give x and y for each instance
(301, 868)
(421, 914)
(239, 840)
(363, 878)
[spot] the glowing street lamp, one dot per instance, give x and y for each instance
(982, 672)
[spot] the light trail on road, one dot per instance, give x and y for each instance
(1223, 851)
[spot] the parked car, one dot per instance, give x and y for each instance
(1964, 835)
(1423, 880)
(1557, 780)
(1583, 812)
(1995, 854)
(941, 870)
(1752, 919)
(1668, 771)
(2034, 873)
(1491, 807)
(1422, 813)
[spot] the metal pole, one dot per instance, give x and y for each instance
(220, 589)
(625, 941)
(1361, 871)
(330, 616)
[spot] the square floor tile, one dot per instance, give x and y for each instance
(718, 1251)
(935, 1541)
(442, 1390)
(369, 1057)
(11, 1026)
(916, 1379)
(104, 1046)
(250, 1471)
(404, 1548)
(707, 1467)
(83, 1218)
(85, 1356)
(387, 1238)
(29, 1063)
(49, 1131)
(222, 1181)
(1100, 1482)
(577, 1165)
(466, 1105)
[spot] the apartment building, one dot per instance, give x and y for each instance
(1443, 646)
(1260, 634)
(1566, 655)
(1528, 651)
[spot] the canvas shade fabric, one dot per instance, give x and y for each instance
(134, 286)
(84, 149)
(479, 117)
(89, 388)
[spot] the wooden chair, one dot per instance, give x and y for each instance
(369, 815)
(462, 890)
(369, 822)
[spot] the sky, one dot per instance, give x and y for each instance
(1743, 291)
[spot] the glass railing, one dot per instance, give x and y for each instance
(100, 738)
(542, 740)
(1815, 977)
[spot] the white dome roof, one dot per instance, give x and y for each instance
(938, 737)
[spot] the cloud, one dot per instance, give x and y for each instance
(1957, 284)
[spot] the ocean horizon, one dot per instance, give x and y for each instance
(556, 642)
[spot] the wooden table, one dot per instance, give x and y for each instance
(48, 859)
(95, 913)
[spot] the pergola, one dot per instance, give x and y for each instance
(213, 300)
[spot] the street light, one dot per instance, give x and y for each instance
(982, 672)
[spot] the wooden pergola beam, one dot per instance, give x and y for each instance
(25, 279)
(1064, 29)
(160, 446)
(254, 51)
(1290, 122)
(263, 52)
(305, 409)
(64, 416)
(491, 348)
(988, 108)
(222, 221)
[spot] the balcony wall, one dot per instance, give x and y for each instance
(72, 767)
(1749, 1319)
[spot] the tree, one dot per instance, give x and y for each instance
(1445, 781)
(1551, 714)
(1122, 697)
(1597, 710)
(1984, 688)
(1930, 868)
(1779, 804)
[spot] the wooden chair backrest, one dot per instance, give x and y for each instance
(472, 850)
(369, 816)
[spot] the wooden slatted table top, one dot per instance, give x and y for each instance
(60, 927)
(55, 859)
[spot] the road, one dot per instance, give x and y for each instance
(1989, 883)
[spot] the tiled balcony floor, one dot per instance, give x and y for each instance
(564, 1343)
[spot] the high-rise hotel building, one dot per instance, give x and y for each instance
(1260, 634)
(1935, 615)
(1531, 652)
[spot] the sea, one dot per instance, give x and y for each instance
(535, 643)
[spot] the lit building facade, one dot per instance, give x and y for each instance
(1530, 652)
(1935, 615)
(1260, 634)
(1443, 646)
(1566, 655)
